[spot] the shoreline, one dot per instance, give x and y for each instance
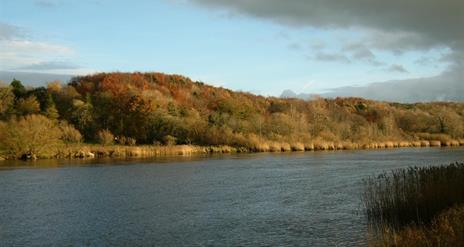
(95, 151)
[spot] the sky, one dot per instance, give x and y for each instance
(259, 46)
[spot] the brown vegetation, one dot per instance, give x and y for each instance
(445, 230)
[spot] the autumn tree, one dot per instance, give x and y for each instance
(29, 105)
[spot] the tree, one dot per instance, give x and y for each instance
(30, 136)
(18, 89)
(51, 111)
(6, 100)
(29, 105)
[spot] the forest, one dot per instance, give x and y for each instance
(158, 109)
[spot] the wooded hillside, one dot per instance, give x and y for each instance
(156, 108)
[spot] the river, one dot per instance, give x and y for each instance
(263, 199)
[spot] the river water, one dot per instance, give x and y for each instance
(289, 199)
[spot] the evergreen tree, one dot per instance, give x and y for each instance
(18, 89)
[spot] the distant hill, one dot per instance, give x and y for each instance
(32, 79)
(161, 108)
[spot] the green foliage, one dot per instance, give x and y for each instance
(18, 89)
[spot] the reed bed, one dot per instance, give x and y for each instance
(119, 151)
(412, 196)
(252, 144)
(446, 229)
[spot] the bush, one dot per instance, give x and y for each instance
(69, 134)
(169, 140)
(30, 136)
(105, 137)
(129, 141)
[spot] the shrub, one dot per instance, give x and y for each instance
(30, 136)
(69, 134)
(169, 140)
(105, 137)
(126, 141)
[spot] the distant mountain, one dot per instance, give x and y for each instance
(32, 79)
(289, 94)
(448, 86)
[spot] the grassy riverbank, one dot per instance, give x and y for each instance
(417, 206)
(89, 151)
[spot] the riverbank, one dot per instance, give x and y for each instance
(90, 151)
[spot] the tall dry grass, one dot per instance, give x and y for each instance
(445, 230)
(411, 197)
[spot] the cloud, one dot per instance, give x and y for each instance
(397, 68)
(9, 32)
(395, 26)
(35, 47)
(50, 65)
(17, 52)
(421, 22)
(330, 57)
(360, 52)
(447, 86)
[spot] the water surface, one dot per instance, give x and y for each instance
(299, 199)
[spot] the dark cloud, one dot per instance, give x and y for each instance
(9, 32)
(360, 52)
(393, 25)
(52, 65)
(421, 23)
(331, 57)
(397, 68)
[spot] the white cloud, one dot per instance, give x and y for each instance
(20, 52)
(26, 46)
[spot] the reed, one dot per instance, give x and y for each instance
(297, 146)
(413, 195)
(120, 151)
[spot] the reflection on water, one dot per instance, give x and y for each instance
(249, 199)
